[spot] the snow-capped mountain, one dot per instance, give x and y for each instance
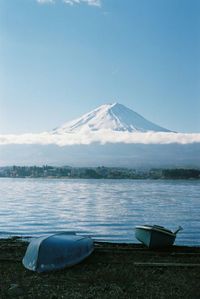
(114, 117)
(110, 135)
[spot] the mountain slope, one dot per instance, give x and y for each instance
(115, 117)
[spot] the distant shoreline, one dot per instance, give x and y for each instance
(68, 172)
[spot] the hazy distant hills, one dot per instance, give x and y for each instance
(121, 155)
(110, 119)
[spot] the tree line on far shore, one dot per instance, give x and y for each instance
(97, 172)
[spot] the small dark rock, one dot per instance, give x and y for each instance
(53, 296)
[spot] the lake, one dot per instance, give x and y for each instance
(107, 210)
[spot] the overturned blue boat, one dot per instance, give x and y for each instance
(155, 236)
(57, 251)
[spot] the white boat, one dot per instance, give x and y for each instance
(57, 251)
(155, 236)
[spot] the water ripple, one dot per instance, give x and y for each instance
(105, 209)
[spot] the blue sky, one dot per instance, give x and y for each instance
(60, 60)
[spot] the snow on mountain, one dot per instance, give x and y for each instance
(115, 117)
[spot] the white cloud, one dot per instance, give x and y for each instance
(93, 2)
(102, 137)
(45, 1)
(89, 2)
(72, 2)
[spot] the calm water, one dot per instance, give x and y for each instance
(105, 209)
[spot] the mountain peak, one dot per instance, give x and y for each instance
(107, 106)
(113, 116)
(112, 105)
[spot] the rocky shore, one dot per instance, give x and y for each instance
(112, 271)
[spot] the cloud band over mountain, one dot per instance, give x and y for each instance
(102, 137)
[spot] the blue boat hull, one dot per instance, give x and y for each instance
(57, 251)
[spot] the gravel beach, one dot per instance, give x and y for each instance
(112, 271)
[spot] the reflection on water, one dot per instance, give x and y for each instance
(105, 209)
